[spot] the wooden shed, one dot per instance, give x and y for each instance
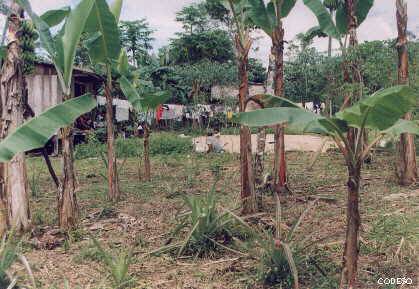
(44, 88)
(44, 91)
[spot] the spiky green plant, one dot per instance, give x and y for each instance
(207, 227)
(117, 266)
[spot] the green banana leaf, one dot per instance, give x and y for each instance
(380, 110)
(104, 44)
(314, 32)
(71, 33)
(56, 16)
(362, 9)
(299, 118)
(36, 132)
(269, 100)
(287, 6)
(151, 101)
(147, 102)
(323, 17)
(116, 9)
(130, 93)
(403, 126)
(262, 16)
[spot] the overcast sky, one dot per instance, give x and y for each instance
(161, 15)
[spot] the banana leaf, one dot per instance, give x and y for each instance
(36, 132)
(104, 44)
(56, 16)
(323, 17)
(362, 9)
(381, 110)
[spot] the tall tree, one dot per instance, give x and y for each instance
(407, 170)
(62, 51)
(210, 44)
(14, 189)
(136, 38)
(194, 18)
(269, 19)
(104, 49)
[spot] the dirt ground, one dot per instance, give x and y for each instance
(302, 143)
(144, 220)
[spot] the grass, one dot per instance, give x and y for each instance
(146, 216)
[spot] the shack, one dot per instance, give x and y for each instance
(44, 91)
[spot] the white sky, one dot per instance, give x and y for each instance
(380, 24)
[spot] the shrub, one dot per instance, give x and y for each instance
(160, 144)
(167, 144)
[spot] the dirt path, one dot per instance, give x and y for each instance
(306, 143)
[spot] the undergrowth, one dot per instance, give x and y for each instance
(160, 144)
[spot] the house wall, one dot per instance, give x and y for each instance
(44, 89)
(43, 92)
(218, 91)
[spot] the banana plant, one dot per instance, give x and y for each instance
(104, 48)
(61, 50)
(268, 17)
(143, 103)
(335, 25)
(238, 10)
(381, 112)
(406, 163)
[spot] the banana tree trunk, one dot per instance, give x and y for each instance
(280, 166)
(147, 165)
(353, 219)
(246, 170)
(407, 170)
(13, 96)
(350, 256)
(261, 140)
(67, 201)
(113, 185)
(259, 166)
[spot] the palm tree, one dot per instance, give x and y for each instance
(406, 167)
(269, 19)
